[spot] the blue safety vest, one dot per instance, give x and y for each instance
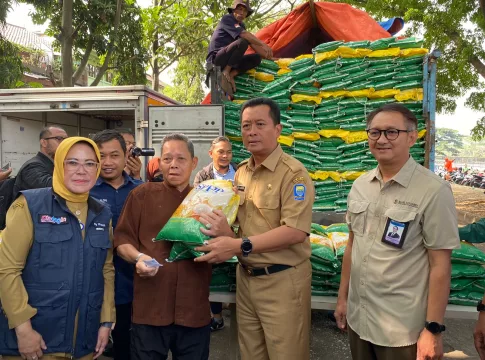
(63, 275)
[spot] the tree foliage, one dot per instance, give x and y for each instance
(457, 28)
(110, 29)
(11, 68)
(473, 149)
(188, 77)
(449, 142)
(478, 132)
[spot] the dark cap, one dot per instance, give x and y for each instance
(240, 2)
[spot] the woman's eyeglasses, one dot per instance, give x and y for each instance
(74, 165)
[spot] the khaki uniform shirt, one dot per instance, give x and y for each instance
(15, 244)
(276, 193)
(388, 291)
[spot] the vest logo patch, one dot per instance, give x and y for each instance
(49, 219)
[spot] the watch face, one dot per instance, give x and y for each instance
(434, 327)
(246, 246)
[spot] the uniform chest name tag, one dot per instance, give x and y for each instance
(49, 219)
(395, 233)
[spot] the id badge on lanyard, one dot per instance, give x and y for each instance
(395, 233)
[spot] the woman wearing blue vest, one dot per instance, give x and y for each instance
(56, 265)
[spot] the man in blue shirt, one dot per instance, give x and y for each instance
(230, 41)
(221, 168)
(112, 188)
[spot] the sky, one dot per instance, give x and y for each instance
(463, 120)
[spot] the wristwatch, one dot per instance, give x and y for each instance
(107, 324)
(246, 247)
(480, 306)
(434, 327)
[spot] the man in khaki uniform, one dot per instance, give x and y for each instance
(394, 289)
(274, 277)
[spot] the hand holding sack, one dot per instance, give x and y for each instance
(183, 228)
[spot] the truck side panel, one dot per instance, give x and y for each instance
(201, 123)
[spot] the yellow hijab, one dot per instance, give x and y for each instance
(58, 179)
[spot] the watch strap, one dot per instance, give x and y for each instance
(440, 330)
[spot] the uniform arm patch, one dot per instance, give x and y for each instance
(299, 192)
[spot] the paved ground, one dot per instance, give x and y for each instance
(329, 343)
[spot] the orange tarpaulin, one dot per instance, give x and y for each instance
(335, 21)
(295, 34)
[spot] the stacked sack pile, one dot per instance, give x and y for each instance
(223, 277)
(324, 99)
(328, 247)
(467, 275)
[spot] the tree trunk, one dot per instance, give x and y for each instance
(66, 43)
(84, 61)
(473, 59)
(478, 65)
(156, 65)
(111, 45)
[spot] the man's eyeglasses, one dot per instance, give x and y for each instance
(74, 165)
(390, 134)
(58, 138)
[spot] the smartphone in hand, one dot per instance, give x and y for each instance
(7, 166)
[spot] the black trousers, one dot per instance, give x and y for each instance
(216, 307)
(154, 342)
(364, 350)
(233, 55)
(121, 333)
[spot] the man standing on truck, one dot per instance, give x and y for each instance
(37, 172)
(394, 291)
(230, 41)
(112, 188)
(275, 214)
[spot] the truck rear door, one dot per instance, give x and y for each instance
(201, 123)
